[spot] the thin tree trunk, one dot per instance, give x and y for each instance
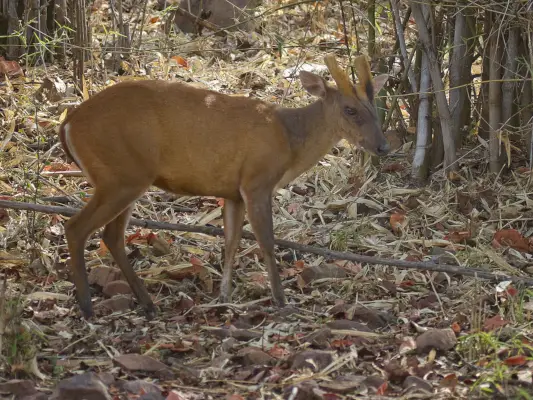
(509, 73)
(403, 48)
(80, 53)
(371, 15)
(529, 114)
(438, 86)
(423, 126)
(60, 11)
(495, 102)
(484, 127)
(13, 42)
(458, 67)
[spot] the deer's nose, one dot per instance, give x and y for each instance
(383, 149)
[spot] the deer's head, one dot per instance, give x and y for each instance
(350, 109)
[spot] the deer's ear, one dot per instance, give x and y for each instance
(379, 82)
(314, 84)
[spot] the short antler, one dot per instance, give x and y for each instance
(362, 68)
(341, 79)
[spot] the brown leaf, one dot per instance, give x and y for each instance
(141, 363)
(182, 62)
(323, 271)
(18, 387)
(251, 356)
(348, 324)
(397, 221)
(102, 249)
(117, 303)
(4, 216)
(516, 360)
(393, 167)
(159, 245)
(102, 275)
(141, 387)
(279, 352)
(10, 68)
(234, 397)
(449, 381)
(319, 338)
(438, 339)
(114, 288)
(373, 318)
(494, 323)
(458, 236)
(343, 384)
(87, 385)
(511, 238)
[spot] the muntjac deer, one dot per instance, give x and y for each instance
(192, 141)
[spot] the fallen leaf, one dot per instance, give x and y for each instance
(397, 221)
(510, 238)
(159, 245)
(458, 236)
(382, 389)
(438, 339)
(10, 68)
(279, 351)
(182, 62)
(494, 323)
(456, 327)
(515, 360)
(102, 249)
(449, 381)
(393, 167)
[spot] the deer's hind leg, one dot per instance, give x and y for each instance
(107, 203)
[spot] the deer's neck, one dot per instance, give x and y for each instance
(309, 137)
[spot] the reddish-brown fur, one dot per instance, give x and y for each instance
(198, 142)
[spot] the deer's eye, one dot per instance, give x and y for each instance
(350, 111)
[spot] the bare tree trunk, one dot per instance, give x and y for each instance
(124, 29)
(403, 47)
(437, 147)
(509, 73)
(60, 11)
(438, 86)
(43, 30)
(484, 91)
(9, 9)
(495, 98)
(371, 15)
(81, 44)
(423, 127)
(460, 66)
(527, 115)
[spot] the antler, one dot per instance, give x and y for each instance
(341, 79)
(362, 68)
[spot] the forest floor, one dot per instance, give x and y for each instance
(352, 331)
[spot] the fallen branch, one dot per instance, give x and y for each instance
(340, 255)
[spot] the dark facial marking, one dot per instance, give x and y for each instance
(369, 89)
